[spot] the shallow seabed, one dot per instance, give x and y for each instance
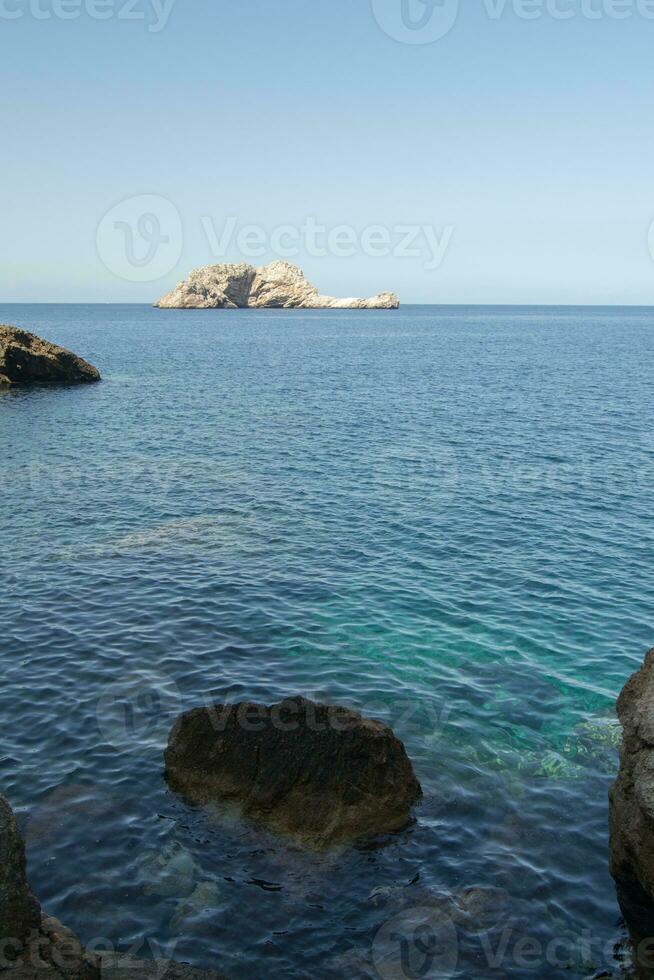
(441, 516)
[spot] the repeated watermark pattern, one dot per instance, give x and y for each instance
(437, 478)
(418, 942)
(427, 21)
(155, 14)
(416, 21)
(40, 955)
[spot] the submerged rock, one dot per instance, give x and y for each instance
(632, 814)
(27, 359)
(205, 896)
(278, 285)
(321, 774)
(170, 873)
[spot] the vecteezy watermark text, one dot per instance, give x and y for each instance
(155, 13)
(402, 241)
(141, 239)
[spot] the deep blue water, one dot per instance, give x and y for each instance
(442, 516)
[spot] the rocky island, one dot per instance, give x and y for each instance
(27, 359)
(279, 285)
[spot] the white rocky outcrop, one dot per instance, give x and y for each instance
(278, 285)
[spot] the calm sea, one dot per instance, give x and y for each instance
(442, 516)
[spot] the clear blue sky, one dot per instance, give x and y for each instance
(531, 140)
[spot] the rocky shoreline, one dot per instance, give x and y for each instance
(26, 359)
(36, 946)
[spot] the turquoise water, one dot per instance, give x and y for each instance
(440, 516)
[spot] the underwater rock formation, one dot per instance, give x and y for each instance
(27, 359)
(321, 774)
(279, 285)
(632, 814)
(129, 968)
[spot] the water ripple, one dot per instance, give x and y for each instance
(441, 517)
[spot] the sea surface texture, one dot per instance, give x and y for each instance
(441, 516)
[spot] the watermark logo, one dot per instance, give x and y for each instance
(141, 238)
(420, 943)
(427, 21)
(416, 21)
(138, 710)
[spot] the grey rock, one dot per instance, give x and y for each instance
(169, 873)
(278, 285)
(205, 896)
(27, 359)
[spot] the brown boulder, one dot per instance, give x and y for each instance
(321, 774)
(27, 359)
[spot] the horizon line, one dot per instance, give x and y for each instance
(269, 309)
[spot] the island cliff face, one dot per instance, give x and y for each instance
(279, 285)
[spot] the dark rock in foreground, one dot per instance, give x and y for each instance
(27, 359)
(32, 945)
(19, 910)
(323, 775)
(632, 814)
(53, 952)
